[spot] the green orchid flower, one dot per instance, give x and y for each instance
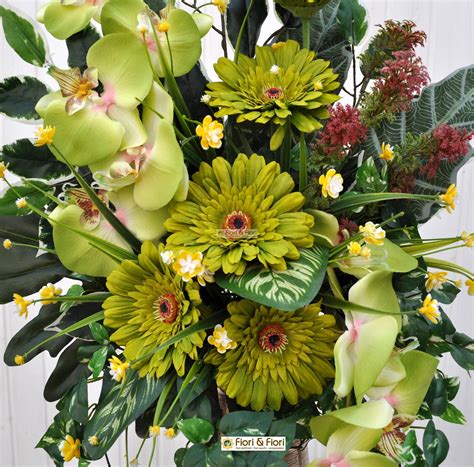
(351, 433)
(75, 251)
(362, 352)
(178, 32)
(63, 18)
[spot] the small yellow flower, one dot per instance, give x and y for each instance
(457, 283)
(211, 133)
(318, 86)
(470, 286)
(354, 248)
(7, 244)
(387, 153)
(429, 309)
(45, 135)
(170, 433)
(189, 265)
(468, 239)
(21, 203)
(435, 280)
(94, 440)
(365, 253)
(154, 431)
(449, 198)
(3, 169)
(372, 234)
(19, 360)
(221, 340)
(22, 304)
(163, 26)
(118, 369)
(70, 448)
(332, 184)
(48, 293)
(221, 5)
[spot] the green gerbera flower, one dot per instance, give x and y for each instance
(282, 85)
(239, 213)
(279, 355)
(149, 305)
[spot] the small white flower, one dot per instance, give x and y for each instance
(167, 257)
(274, 70)
(205, 99)
(21, 203)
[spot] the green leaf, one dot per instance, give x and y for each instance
(246, 423)
(202, 456)
(327, 39)
(368, 178)
(79, 44)
(21, 270)
(352, 20)
(286, 290)
(23, 38)
(156, 5)
(411, 454)
(27, 160)
(436, 397)
(32, 195)
(453, 415)
(449, 101)
(197, 430)
(73, 291)
(447, 294)
(101, 335)
(236, 12)
(76, 402)
(19, 96)
(97, 362)
(120, 407)
(435, 445)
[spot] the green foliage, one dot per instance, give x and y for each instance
(368, 178)
(236, 12)
(100, 333)
(75, 402)
(202, 456)
(352, 20)
(435, 445)
(246, 423)
(19, 96)
(73, 291)
(411, 454)
(98, 360)
(31, 194)
(286, 290)
(79, 44)
(21, 270)
(23, 37)
(197, 430)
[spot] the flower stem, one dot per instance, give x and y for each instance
(306, 26)
(241, 32)
(303, 172)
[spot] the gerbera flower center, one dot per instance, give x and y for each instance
(272, 338)
(273, 93)
(236, 224)
(166, 308)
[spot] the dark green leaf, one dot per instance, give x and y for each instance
(97, 362)
(197, 430)
(286, 290)
(192, 87)
(79, 44)
(201, 456)
(446, 294)
(435, 445)
(453, 415)
(21, 271)
(31, 194)
(463, 355)
(156, 5)
(67, 373)
(19, 96)
(352, 20)
(452, 385)
(411, 454)
(101, 335)
(76, 402)
(285, 427)
(179, 457)
(436, 397)
(32, 333)
(236, 12)
(23, 38)
(368, 178)
(449, 101)
(246, 423)
(123, 404)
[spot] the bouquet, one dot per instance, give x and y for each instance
(245, 251)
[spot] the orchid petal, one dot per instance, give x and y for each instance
(121, 16)
(326, 232)
(161, 103)
(63, 21)
(44, 102)
(344, 361)
(162, 172)
(369, 459)
(182, 192)
(86, 137)
(135, 133)
(203, 22)
(392, 373)
(409, 394)
(123, 68)
(145, 225)
(74, 251)
(349, 438)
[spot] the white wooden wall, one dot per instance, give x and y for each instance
(24, 415)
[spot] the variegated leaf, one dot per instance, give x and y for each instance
(286, 290)
(450, 101)
(122, 405)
